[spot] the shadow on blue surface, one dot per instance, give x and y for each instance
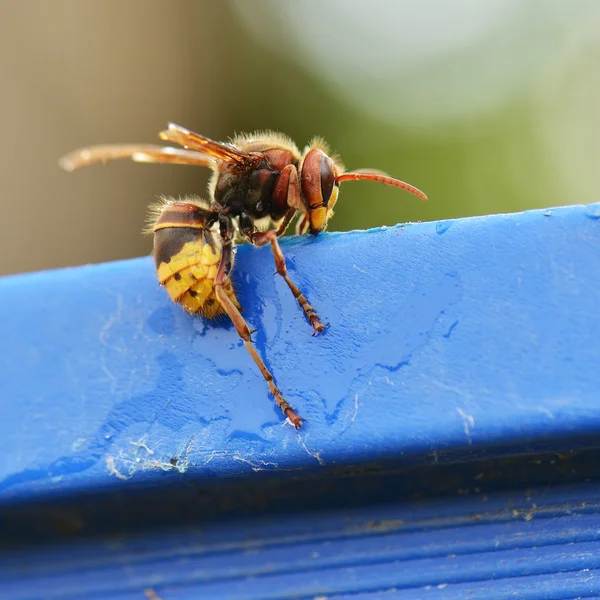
(485, 529)
(184, 502)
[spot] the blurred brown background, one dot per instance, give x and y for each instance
(487, 106)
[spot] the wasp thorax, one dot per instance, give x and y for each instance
(319, 188)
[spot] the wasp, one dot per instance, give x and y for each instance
(259, 183)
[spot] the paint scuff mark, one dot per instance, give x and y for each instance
(258, 465)
(468, 423)
(124, 465)
(142, 444)
(115, 318)
(355, 408)
(315, 455)
(112, 468)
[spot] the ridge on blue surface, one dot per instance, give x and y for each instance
(535, 544)
(442, 336)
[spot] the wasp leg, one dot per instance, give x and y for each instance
(240, 324)
(289, 178)
(286, 221)
(261, 238)
(287, 191)
(302, 225)
(244, 332)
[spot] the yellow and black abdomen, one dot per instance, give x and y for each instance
(187, 253)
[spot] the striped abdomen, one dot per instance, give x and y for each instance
(187, 254)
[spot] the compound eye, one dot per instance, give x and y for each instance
(327, 178)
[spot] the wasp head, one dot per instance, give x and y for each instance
(319, 187)
(320, 179)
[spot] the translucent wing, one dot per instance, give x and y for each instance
(138, 152)
(227, 153)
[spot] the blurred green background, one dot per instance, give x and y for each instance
(486, 106)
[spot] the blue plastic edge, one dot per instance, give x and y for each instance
(449, 336)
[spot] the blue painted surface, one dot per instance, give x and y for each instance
(533, 544)
(450, 336)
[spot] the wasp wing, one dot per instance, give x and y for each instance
(138, 152)
(224, 153)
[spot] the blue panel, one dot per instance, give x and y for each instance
(542, 544)
(443, 336)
